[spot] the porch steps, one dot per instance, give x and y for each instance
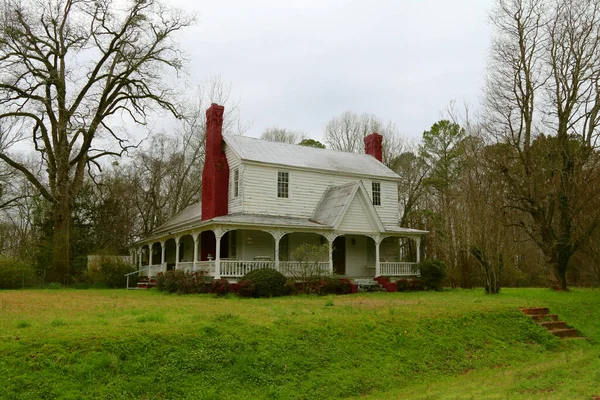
(146, 283)
(542, 317)
(368, 285)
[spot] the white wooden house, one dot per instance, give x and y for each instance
(261, 200)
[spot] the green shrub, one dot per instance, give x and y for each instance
(54, 286)
(433, 272)
(267, 282)
(14, 273)
(111, 271)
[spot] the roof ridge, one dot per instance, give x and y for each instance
(310, 148)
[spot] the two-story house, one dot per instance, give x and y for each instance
(261, 200)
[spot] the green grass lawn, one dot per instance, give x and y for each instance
(144, 344)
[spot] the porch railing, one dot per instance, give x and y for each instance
(207, 267)
(399, 269)
(237, 268)
(187, 266)
(299, 269)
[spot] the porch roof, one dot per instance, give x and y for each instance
(404, 231)
(191, 219)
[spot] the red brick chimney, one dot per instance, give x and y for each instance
(373, 145)
(215, 175)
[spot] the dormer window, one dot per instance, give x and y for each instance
(376, 191)
(283, 180)
(236, 182)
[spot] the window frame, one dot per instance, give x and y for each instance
(376, 193)
(283, 185)
(236, 183)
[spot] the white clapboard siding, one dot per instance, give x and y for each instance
(235, 203)
(305, 190)
(356, 218)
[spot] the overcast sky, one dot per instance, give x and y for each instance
(298, 64)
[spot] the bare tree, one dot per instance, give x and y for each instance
(346, 133)
(283, 135)
(69, 69)
(543, 102)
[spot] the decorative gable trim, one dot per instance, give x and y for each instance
(329, 216)
(361, 192)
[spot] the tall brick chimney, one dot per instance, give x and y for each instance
(215, 175)
(373, 145)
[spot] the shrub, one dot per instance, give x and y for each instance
(220, 287)
(14, 273)
(290, 287)
(54, 285)
(111, 271)
(336, 285)
(182, 282)
(433, 272)
(245, 288)
(267, 282)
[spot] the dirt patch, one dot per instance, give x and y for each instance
(375, 303)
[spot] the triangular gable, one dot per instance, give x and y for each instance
(349, 208)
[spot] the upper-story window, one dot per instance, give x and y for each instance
(376, 190)
(236, 182)
(283, 181)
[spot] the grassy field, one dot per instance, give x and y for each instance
(146, 345)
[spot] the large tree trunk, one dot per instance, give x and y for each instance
(61, 241)
(560, 265)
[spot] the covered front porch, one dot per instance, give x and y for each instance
(223, 251)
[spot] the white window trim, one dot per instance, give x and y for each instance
(236, 183)
(277, 185)
(378, 194)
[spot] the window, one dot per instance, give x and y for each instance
(283, 180)
(376, 189)
(236, 182)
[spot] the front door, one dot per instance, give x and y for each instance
(339, 255)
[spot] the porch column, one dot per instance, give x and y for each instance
(330, 241)
(196, 240)
(277, 239)
(218, 234)
(177, 252)
(163, 250)
(140, 257)
(418, 240)
(377, 240)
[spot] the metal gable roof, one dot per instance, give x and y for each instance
(251, 149)
(336, 200)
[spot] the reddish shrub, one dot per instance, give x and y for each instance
(220, 287)
(245, 288)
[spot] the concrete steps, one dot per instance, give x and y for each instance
(368, 285)
(542, 317)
